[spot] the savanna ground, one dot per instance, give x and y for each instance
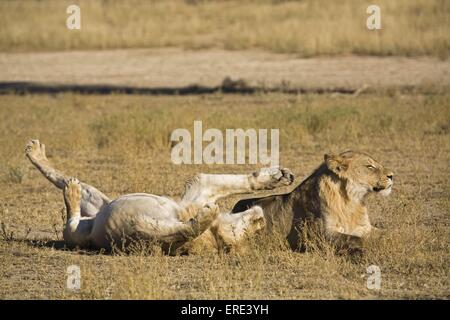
(120, 143)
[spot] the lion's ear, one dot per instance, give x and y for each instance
(335, 163)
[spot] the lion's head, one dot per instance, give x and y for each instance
(362, 173)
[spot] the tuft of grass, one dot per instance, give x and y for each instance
(7, 235)
(16, 174)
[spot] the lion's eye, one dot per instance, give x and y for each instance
(370, 167)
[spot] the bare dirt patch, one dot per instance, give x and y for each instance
(181, 68)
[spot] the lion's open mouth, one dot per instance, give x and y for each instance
(381, 188)
(384, 191)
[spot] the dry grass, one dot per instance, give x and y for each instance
(307, 28)
(120, 144)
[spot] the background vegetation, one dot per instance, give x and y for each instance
(304, 27)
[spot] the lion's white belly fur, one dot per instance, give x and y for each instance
(144, 215)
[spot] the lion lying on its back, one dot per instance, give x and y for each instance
(94, 220)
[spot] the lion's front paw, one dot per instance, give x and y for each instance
(204, 218)
(271, 178)
(256, 220)
(208, 213)
(35, 150)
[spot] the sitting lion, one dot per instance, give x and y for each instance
(334, 195)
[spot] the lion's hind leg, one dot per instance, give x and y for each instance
(92, 200)
(35, 152)
(205, 188)
(77, 229)
(72, 198)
